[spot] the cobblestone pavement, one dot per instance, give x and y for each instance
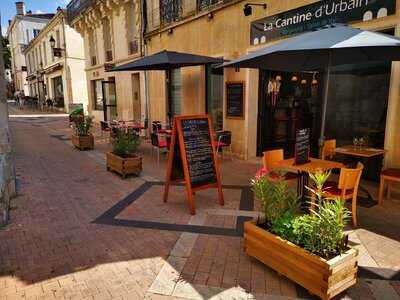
(80, 232)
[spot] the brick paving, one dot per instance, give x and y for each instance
(52, 249)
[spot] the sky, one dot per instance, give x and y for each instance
(7, 8)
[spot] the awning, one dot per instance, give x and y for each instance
(166, 60)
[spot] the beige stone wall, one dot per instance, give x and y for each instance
(227, 34)
(128, 106)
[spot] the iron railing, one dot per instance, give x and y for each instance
(75, 7)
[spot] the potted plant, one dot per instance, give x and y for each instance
(77, 112)
(124, 158)
(310, 249)
(81, 136)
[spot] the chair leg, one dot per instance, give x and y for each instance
(231, 153)
(389, 190)
(354, 209)
(381, 191)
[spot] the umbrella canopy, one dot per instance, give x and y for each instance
(335, 45)
(322, 49)
(166, 60)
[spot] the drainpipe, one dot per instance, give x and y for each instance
(143, 52)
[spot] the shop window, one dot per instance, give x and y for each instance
(58, 91)
(97, 94)
(215, 94)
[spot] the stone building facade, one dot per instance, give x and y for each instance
(111, 31)
(57, 72)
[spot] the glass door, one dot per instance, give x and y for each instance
(109, 100)
(215, 95)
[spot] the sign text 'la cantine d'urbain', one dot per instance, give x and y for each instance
(316, 15)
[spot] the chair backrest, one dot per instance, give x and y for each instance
(272, 157)
(225, 137)
(350, 178)
(328, 151)
(104, 125)
(156, 126)
(154, 139)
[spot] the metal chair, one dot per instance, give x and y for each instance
(104, 127)
(157, 144)
(224, 140)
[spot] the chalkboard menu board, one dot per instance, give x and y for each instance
(302, 146)
(199, 152)
(235, 100)
(192, 157)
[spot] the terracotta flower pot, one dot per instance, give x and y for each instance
(321, 277)
(124, 165)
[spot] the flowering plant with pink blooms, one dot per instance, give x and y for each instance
(275, 196)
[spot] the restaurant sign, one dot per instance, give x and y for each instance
(317, 15)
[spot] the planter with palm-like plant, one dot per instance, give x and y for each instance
(81, 137)
(310, 249)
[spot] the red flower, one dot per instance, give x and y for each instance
(261, 173)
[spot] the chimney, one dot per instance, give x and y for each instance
(20, 5)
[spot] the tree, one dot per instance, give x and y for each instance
(6, 53)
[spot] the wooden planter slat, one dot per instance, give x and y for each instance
(124, 166)
(83, 142)
(285, 258)
(325, 278)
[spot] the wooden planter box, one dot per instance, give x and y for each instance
(83, 142)
(324, 278)
(124, 166)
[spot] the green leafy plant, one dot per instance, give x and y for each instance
(321, 232)
(275, 196)
(76, 111)
(82, 125)
(125, 144)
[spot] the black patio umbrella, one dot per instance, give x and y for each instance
(166, 60)
(322, 49)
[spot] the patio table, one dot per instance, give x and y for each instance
(366, 152)
(363, 153)
(303, 170)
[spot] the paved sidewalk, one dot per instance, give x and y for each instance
(80, 232)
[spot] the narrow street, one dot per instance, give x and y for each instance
(80, 232)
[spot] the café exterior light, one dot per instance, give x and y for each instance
(57, 52)
(294, 78)
(278, 78)
(248, 10)
(52, 42)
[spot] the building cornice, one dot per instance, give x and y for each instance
(56, 20)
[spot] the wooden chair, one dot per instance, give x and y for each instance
(346, 188)
(390, 176)
(272, 158)
(328, 151)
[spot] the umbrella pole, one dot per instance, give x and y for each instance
(321, 140)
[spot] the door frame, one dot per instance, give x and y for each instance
(105, 106)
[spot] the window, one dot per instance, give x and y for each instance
(130, 16)
(215, 94)
(35, 32)
(92, 47)
(107, 40)
(44, 53)
(58, 41)
(27, 36)
(175, 91)
(97, 94)
(40, 57)
(153, 14)
(170, 11)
